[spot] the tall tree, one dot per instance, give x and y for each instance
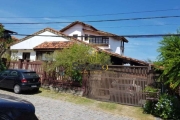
(169, 59)
(5, 41)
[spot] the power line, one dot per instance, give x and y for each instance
(99, 26)
(112, 20)
(110, 14)
(130, 36)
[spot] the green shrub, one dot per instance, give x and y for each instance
(2, 66)
(167, 107)
(148, 107)
(76, 76)
(150, 89)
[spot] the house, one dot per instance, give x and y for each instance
(36, 46)
(89, 34)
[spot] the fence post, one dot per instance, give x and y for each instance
(20, 63)
(26, 64)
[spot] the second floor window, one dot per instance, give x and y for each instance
(98, 40)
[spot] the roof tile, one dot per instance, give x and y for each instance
(54, 45)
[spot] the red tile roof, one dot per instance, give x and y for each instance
(94, 30)
(77, 22)
(54, 45)
(14, 38)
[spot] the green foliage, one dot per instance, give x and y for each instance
(167, 107)
(150, 89)
(76, 75)
(2, 66)
(169, 59)
(3, 46)
(1, 31)
(78, 53)
(4, 43)
(148, 107)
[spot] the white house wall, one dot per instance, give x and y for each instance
(32, 54)
(114, 45)
(36, 40)
(76, 29)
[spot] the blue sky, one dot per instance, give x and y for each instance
(13, 11)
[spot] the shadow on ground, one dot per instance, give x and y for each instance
(29, 92)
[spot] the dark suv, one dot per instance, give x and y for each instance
(19, 80)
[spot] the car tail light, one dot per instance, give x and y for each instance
(39, 80)
(24, 81)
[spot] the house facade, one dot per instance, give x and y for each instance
(36, 46)
(89, 34)
(24, 49)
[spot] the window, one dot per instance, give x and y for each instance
(5, 73)
(75, 36)
(14, 73)
(98, 40)
(38, 55)
(86, 37)
(105, 40)
(30, 74)
(26, 56)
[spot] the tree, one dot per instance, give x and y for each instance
(169, 60)
(77, 54)
(5, 41)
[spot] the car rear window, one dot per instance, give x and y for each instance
(30, 74)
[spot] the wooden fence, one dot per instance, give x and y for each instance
(55, 78)
(25, 64)
(120, 84)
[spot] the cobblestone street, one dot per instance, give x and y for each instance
(51, 109)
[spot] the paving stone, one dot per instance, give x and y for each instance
(51, 109)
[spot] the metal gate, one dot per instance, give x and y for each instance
(119, 84)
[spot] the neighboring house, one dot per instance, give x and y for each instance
(104, 40)
(35, 46)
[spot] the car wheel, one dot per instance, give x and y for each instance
(17, 89)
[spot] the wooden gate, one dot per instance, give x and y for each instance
(119, 84)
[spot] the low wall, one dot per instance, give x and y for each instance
(78, 91)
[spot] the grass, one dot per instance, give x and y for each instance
(117, 109)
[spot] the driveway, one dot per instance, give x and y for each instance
(51, 109)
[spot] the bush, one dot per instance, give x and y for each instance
(148, 107)
(150, 89)
(167, 107)
(2, 66)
